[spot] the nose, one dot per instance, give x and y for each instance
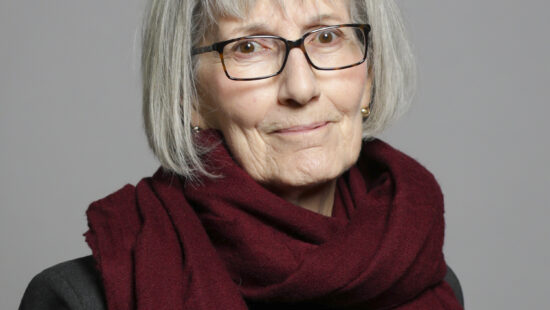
(299, 84)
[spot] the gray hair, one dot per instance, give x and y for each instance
(172, 27)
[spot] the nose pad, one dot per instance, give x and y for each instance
(299, 84)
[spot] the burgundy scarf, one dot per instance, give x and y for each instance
(228, 243)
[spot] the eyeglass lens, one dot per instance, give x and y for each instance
(330, 48)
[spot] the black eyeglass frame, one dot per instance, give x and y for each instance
(289, 44)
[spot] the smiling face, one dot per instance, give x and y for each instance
(300, 129)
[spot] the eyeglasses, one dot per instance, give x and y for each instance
(263, 56)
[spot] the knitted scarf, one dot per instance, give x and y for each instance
(229, 243)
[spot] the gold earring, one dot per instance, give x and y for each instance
(365, 112)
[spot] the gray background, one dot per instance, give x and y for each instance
(70, 133)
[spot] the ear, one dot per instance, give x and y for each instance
(369, 89)
(196, 117)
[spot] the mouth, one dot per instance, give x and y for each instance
(301, 129)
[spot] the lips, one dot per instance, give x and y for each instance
(301, 128)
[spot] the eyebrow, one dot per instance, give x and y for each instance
(251, 29)
(263, 28)
(322, 18)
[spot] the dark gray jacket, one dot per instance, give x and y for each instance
(76, 285)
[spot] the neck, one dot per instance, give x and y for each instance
(319, 198)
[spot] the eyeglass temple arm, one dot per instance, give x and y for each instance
(201, 50)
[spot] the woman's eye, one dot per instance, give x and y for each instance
(247, 47)
(326, 37)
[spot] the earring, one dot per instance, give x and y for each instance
(365, 112)
(196, 129)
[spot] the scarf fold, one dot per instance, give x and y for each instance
(229, 243)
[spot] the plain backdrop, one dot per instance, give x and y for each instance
(71, 133)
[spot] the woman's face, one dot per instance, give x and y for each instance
(299, 129)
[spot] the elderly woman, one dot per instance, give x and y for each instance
(273, 193)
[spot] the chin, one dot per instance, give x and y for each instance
(307, 176)
(306, 168)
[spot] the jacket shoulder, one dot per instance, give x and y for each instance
(454, 283)
(74, 284)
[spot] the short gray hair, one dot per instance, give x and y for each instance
(172, 27)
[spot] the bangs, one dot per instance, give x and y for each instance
(214, 9)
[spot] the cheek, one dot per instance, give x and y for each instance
(236, 104)
(350, 90)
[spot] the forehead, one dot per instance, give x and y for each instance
(282, 17)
